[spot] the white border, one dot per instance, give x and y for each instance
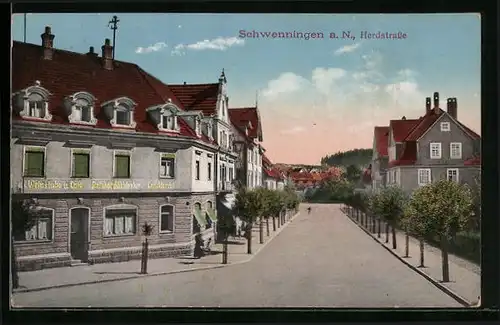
(26, 148)
(447, 129)
(120, 206)
(43, 241)
(173, 221)
(460, 145)
(115, 151)
(453, 169)
(88, 151)
(418, 176)
(440, 150)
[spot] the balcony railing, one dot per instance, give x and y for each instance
(226, 186)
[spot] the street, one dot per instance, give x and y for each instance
(321, 259)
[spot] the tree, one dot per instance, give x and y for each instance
(353, 173)
(266, 196)
(389, 205)
(24, 214)
(440, 209)
(274, 207)
(249, 205)
(146, 231)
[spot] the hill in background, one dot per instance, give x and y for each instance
(358, 157)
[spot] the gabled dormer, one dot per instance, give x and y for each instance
(79, 108)
(208, 127)
(32, 102)
(164, 116)
(193, 119)
(120, 112)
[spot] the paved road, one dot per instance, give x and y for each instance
(321, 260)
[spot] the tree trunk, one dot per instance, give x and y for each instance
(407, 244)
(278, 221)
(249, 240)
(225, 250)
(386, 232)
(379, 227)
(393, 230)
(267, 226)
(15, 274)
(421, 247)
(374, 224)
(444, 260)
(261, 231)
(274, 223)
(144, 260)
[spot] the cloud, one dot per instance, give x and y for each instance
(287, 82)
(216, 44)
(296, 129)
(347, 49)
(152, 48)
(407, 73)
(324, 78)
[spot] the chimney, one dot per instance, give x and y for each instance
(185, 83)
(436, 102)
(107, 55)
(403, 118)
(47, 44)
(427, 104)
(91, 52)
(452, 107)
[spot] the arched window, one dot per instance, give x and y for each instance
(167, 217)
(120, 112)
(199, 221)
(32, 102)
(82, 108)
(210, 214)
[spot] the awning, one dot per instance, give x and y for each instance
(199, 217)
(212, 214)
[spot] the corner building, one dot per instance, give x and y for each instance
(101, 147)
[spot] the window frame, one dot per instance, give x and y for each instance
(72, 166)
(26, 93)
(197, 171)
(52, 229)
(451, 150)
(440, 150)
(168, 156)
(429, 178)
(127, 153)
(160, 215)
(445, 129)
(90, 99)
(448, 170)
(118, 207)
(42, 149)
(209, 170)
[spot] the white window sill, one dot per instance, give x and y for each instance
(119, 235)
(83, 123)
(169, 130)
(33, 242)
(40, 119)
(166, 232)
(167, 177)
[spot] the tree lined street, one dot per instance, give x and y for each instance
(321, 259)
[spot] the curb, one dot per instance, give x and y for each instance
(435, 282)
(67, 285)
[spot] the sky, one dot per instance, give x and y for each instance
(316, 96)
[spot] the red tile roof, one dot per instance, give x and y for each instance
(400, 128)
(241, 116)
(266, 160)
(199, 97)
(382, 139)
(70, 72)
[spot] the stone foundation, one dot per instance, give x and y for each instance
(40, 262)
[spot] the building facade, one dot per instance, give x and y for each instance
(435, 146)
(101, 151)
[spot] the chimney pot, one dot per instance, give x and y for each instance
(184, 82)
(107, 42)
(427, 104)
(107, 55)
(47, 43)
(91, 49)
(436, 102)
(48, 30)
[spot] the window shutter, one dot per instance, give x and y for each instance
(122, 166)
(81, 165)
(34, 163)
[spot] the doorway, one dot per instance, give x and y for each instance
(79, 234)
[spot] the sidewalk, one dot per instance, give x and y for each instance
(465, 276)
(106, 272)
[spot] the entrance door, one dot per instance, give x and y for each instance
(79, 233)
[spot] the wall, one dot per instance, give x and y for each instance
(204, 157)
(409, 180)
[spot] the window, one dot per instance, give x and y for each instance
(231, 174)
(81, 164)
(168, 122)
(456, 150)
(119, 222)
(83, 111)
(122, 116)
(34, 162)
(36, 106)
(42, 227)
(167, 166)
(452, 174)
(209, 170)
(424, 176)
(166, 218)
(199, 221)
(435, 148)
(122, 165)
(445, 126)
(197, 171)
(209, 215)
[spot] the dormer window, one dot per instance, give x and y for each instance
(80, 107)
(32, 102)
(210, 130)
(164, 117)
(197, 126)
(120, 112)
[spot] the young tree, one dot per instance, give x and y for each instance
(250, 205)
(441, 209)
(266, 196)
(390, 205)
(146, 231)
(24, 214)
